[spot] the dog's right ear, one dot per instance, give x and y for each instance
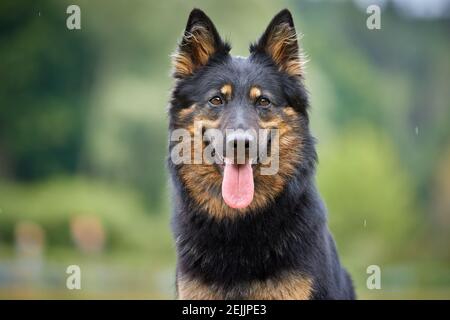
(200, 42)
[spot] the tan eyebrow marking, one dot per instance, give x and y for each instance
(186, 111)
(227, 90)
(255, 93)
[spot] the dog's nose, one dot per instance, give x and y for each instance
(238, 144)
(237, 138)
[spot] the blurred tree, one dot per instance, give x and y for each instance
(369, 194)
(45, 71)
(395, 78)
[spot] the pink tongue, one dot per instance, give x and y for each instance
(237, 185)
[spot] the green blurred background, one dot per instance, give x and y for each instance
(83, 140)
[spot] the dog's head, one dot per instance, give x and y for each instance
(248, 114)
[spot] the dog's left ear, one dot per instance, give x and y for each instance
(200, 42)
(279, 42)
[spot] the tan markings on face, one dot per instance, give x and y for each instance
(277, 123)
(204, 181)
(204, 184)
(285, 123)
(254, 93)
(184, 113)
(227, 91)
(288, 286)
(289, 150)
(195, 128)
(199, 122)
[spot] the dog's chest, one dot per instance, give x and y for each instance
(288, 286)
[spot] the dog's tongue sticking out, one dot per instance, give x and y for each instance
(237, 185)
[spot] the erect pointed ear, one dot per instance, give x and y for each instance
(279, 42)
(200, 42)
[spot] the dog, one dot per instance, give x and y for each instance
(241, 234)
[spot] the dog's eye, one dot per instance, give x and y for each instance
(216, 101)
(263, 102)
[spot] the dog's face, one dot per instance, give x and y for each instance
(256, 105)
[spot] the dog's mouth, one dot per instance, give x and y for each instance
(237, 181)
(237, 176)
(237, 184)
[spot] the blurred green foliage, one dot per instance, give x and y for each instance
(53, 203)
(45, 71)
(83, 132)
(369, 193)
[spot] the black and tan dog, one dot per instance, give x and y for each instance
(241, 234)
